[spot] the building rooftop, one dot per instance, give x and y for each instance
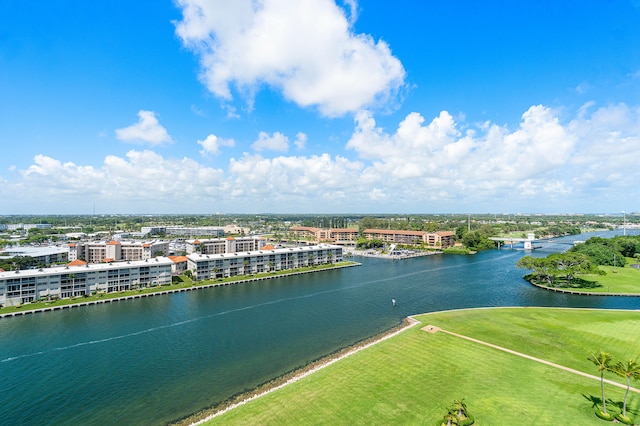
(87, 267)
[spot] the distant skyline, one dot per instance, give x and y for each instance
(319, 106)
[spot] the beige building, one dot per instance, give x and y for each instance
(439, 239)
(225, 245)
(114, 251)
(341, 236)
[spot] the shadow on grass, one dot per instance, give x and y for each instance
(582, 283)
(615, 406)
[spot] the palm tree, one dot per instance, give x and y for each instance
(630, 370)
(460, 407)
(601, 360)
(452, 418)
(73, 284)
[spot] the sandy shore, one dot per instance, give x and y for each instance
(279, 382)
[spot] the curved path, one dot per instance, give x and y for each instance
(434, 329)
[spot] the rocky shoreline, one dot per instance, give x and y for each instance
(291, 377)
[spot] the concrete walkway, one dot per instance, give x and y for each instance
(434, 329)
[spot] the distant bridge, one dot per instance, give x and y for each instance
(528, 242)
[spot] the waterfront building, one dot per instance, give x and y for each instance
(342, 236)
(440, 239)
(224, 245)
(79, 278)
(269, 258)
(179, 266)
(43, 255)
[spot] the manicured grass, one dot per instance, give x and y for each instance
(413, 377)
(617, 280)
(184, 282)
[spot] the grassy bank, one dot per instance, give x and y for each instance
(183, 282)
(413, 377)
(616, 280)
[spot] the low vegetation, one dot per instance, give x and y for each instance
(598, 265)
(412, 377)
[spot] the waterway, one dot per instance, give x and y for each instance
(155, 360)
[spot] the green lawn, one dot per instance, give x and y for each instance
(617, 280)
(413, 377)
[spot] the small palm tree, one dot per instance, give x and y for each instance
(629, 370)
(602, 362)
(460, 407)
(452, 418)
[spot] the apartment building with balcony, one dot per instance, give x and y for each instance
(341, 236)
(105, 251)
(224, 245)
(269, 258)
(439, 239)
(79, 278)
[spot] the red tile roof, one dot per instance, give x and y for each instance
(77, 262)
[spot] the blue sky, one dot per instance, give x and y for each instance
(317, 106)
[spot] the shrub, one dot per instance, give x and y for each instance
(605, 416)
(624, 419)
(468, 421)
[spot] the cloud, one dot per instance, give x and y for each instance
(276, 142)
(155, 183)
(587, 164)
(301, 141)
(583, 88)
(147, 129)
(212, 144)
(197, 111)
(305, 49)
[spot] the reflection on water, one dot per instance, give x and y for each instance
(152, 360)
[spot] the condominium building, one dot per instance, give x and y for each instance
(79, 278)
(440, 239)
(200, 231)
(110, 251)
(224, 245)
(342, 236)
(42, 255)
(269, 258)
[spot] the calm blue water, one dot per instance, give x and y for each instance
(154, 360)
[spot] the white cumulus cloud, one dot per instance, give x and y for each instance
(147, 129)
(211, 144)
(301, 140)
(275, 142)
(305, 49)
(437, 165)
